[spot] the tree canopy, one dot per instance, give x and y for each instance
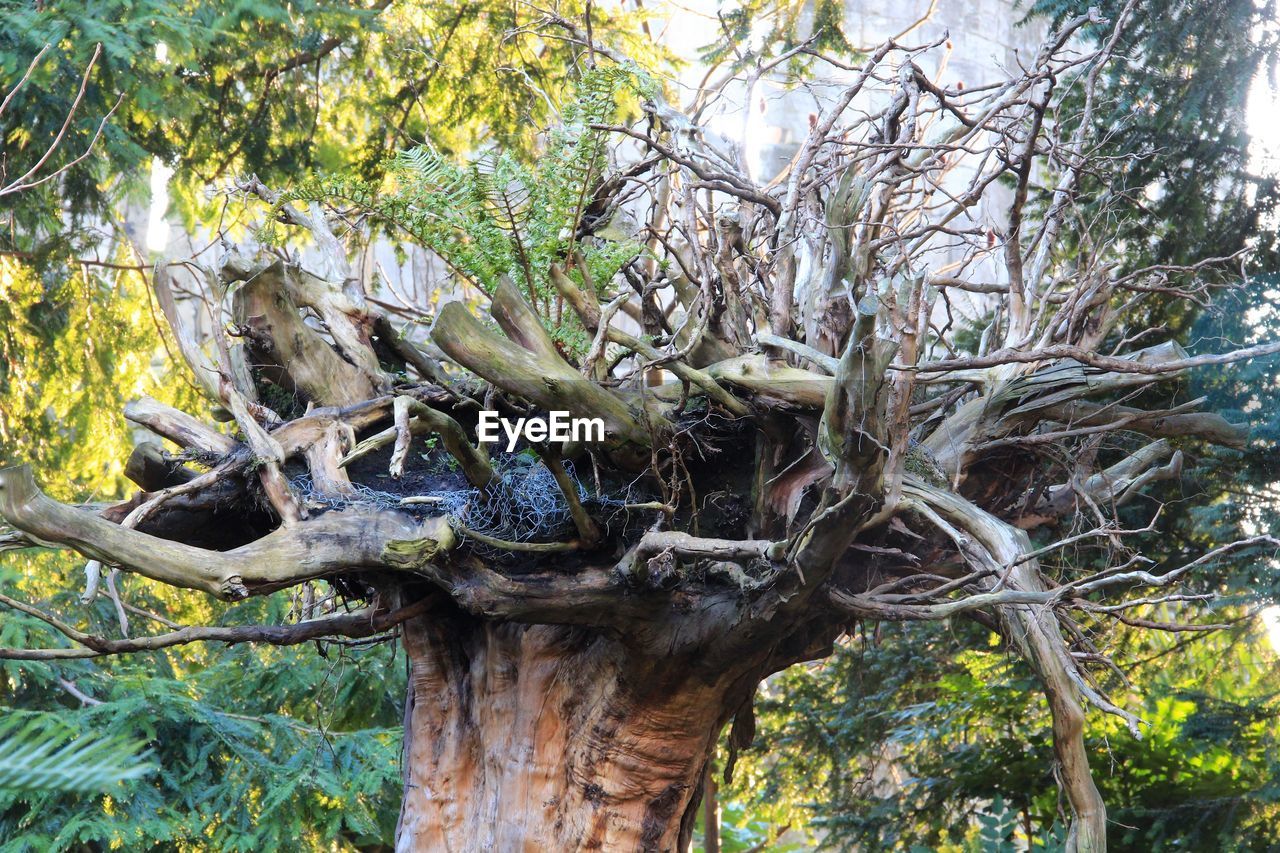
(218, 90)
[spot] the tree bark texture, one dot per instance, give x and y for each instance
(538, 737)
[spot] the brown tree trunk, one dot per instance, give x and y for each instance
(538, 738)
(710, 811)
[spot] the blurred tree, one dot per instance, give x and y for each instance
(307, 760)
(218, 90)
(314, 747)
(963, 740)
(40, 755)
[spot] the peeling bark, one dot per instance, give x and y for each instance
(550, 738)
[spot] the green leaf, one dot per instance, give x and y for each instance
(39, 754)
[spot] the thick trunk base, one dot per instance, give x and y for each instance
(548, 738)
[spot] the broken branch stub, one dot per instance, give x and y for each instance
(287, 351)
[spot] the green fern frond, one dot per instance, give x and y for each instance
(40, 754)
(498, 216)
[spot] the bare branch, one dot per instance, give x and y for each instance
(365, 623)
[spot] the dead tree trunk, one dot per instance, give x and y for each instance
(550, 738)
(583, 618)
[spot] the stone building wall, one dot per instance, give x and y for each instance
(984, 41)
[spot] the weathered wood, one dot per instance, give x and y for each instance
(583, 302)
(473, 461)
(332, 542)
(852, 432)
(152, 470)
(549, 383)
(1115, 486)
(588, 530)
(328, 477)
(521, 323)
(828, 363)
(588, 310)
(408, 352)
(286, 350)
(1209, 426)
(347, 320)
(179, 427)
(774, 382)
(297, 435)
(202, 367)
(1056, 389)
(267, 455)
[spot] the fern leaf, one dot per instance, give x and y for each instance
(39, 754)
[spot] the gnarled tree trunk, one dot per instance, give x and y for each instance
(821, 454)
(541, 737)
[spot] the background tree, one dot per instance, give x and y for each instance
(216, 90)
(1181, 177)
(318, 737)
